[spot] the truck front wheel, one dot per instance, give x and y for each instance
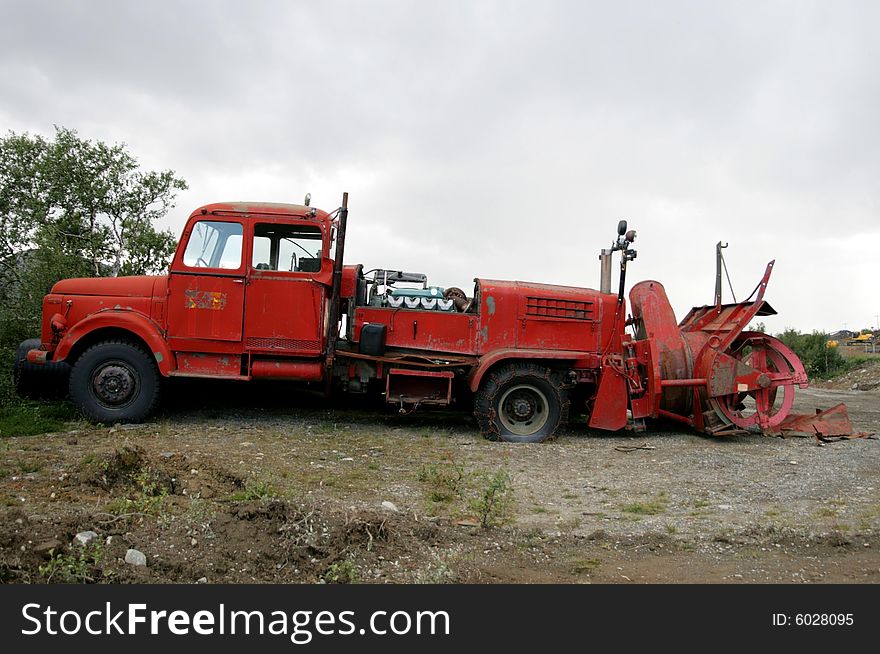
(521, 403)
(115, 381)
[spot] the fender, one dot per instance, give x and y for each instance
(579, 359)
(132, 321)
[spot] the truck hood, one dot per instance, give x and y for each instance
(141, 286)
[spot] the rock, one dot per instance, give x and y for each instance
(83, 538)
(135, 558)
(202, 580)
(47, 546)
(855, 387)
(72, 440)
(390, 506)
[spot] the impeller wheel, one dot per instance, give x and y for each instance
(766, 407)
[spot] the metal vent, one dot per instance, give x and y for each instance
(300, 345)
(546, 307)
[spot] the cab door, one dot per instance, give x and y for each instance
(287, 291)
(207, 287)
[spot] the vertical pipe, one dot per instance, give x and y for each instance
(332, 323)
(605, 271)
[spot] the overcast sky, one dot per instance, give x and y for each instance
(500, 139)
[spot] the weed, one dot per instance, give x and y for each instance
(445, 479)
(825, 512)
(494, 503)
(671, 529)
(261, 491)
(437, 572)
(342, 572)
(76, 567)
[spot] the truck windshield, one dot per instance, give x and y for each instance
(214, 244)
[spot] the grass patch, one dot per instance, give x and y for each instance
(825, 512)
(585, 566)
(261, 491)
(31, 418)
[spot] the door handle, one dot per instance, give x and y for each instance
(238, 281)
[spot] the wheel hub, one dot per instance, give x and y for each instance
(523, 410)
(114, 384)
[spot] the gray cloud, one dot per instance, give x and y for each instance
(500, 139)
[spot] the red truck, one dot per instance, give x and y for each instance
(259, 291)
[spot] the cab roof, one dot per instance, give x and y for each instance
(246, 209)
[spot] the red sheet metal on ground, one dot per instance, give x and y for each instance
(831, 422)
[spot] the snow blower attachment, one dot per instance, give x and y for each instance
(711, 374)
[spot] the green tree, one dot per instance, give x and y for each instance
(72, 207)
(812, 349)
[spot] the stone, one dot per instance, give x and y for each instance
(47, 546)
(135, 558)
(390, 506)
(83, 538)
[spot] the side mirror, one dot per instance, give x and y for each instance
(621, 228)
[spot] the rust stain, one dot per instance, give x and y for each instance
(213, 300)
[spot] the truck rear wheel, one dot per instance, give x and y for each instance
(521, 403)
(47, 381)
(115, 381)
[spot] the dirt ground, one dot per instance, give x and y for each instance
(233, 484)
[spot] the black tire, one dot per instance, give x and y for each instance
(521, 403)
(47, 381)
(115, 381)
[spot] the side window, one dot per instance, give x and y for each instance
(214, 244)
(289, 248)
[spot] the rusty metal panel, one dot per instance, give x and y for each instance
(203, 363)
(419, 387)
(831, 422)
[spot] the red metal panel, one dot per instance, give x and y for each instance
(612, 400)
(440, 331)
(205, 306)
(202, 363)
(284, 313)
(287, 369)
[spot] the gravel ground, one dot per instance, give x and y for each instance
(250, 491)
